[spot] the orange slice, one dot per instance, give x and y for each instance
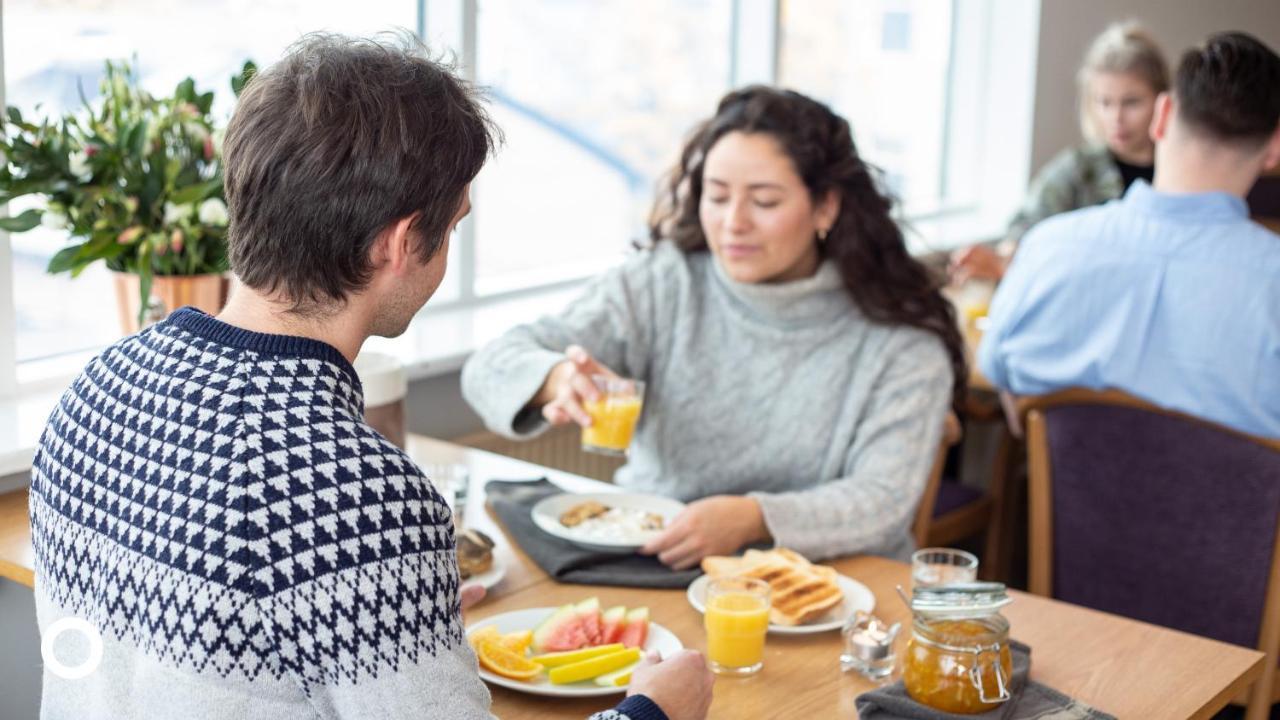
(518, 642)
(496, 658)
(488, 632)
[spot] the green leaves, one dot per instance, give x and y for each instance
(21, 223)
(109, 170)
(246, 73)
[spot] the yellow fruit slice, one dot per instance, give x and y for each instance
(499, 660)
(617, 678)
(488, 632)
(586, 669)
(518, 642)
(568, 657)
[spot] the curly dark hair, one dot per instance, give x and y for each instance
(887, 284)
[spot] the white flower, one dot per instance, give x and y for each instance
(79, 162)
(174, 213)
(213, 212)
(54, 220)
(195, 130)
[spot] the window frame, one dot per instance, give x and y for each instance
(451, 25)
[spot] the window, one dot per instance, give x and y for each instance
(883, 65)
(53, 50)
(594, 97)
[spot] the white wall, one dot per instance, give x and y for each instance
(1067, 27)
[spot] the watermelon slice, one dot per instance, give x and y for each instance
(562, 631)
(589, 612)
(615, 619)
(636, 632)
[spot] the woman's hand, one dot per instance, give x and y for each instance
(718, 525)
(568, 386)
(978, 262)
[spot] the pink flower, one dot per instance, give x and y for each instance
(90, 150)
(208, 148)
(130, 236)
(175, 241)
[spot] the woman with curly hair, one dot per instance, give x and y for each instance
(799, 362)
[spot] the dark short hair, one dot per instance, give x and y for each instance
(1229, 88)
(334, 143)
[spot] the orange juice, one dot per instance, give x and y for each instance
(736, 623)
(613, 419)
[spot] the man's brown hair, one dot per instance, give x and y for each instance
(332, 144)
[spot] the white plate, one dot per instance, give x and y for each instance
(856, 597)
(660, 639)
(489, 577)
(546, 515)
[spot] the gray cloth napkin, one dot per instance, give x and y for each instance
(1030, 701)
(565, 561)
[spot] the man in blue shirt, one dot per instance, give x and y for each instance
(1171, 293)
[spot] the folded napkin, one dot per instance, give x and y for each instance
(1030, 700)
(565, 561)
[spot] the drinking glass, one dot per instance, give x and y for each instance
(451, 480)
(736, 619)
(613, 415)
(941, 566)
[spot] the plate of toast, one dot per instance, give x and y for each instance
(805, 598)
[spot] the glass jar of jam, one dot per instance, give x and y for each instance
(958, 658)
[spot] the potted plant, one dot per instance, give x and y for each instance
(137, 183)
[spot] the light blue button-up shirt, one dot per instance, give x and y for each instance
(1174, 298)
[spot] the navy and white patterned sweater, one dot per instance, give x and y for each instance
(211, 501)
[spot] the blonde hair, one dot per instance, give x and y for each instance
(1122, 48)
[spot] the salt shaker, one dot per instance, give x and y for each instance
(868, 646)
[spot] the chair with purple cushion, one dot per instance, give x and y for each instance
(1159, 516)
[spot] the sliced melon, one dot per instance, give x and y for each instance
(614, 620)
(561, 631)
(617, 678)
(589, 612)
(556, 659)
(588, 669)
(636, 632)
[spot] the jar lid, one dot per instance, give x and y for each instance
(959, 600)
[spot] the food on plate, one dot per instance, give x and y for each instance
(593, 520)
(617, 678)
(800, 590)
(496, 658)
(568, 657)
(636, 630)
(475, 553)
(612, 622)
(582, 512)
(593, 667)
(571, 645)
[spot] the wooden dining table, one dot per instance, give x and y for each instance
(1124, 667)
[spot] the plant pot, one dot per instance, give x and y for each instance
(206, 292)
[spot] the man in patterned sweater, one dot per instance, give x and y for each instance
(207, 497)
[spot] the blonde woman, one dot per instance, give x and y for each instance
(1123, 72)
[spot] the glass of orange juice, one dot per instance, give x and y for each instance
(613, 414)
(737, 619)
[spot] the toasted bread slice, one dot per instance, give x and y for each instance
(801, 591)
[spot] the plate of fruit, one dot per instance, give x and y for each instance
(578, 650)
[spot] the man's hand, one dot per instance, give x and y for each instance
(718, 525)
(470, 595)
(680, 685)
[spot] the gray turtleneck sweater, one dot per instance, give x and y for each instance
(785, 392)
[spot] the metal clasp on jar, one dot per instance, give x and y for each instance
(975, 675)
